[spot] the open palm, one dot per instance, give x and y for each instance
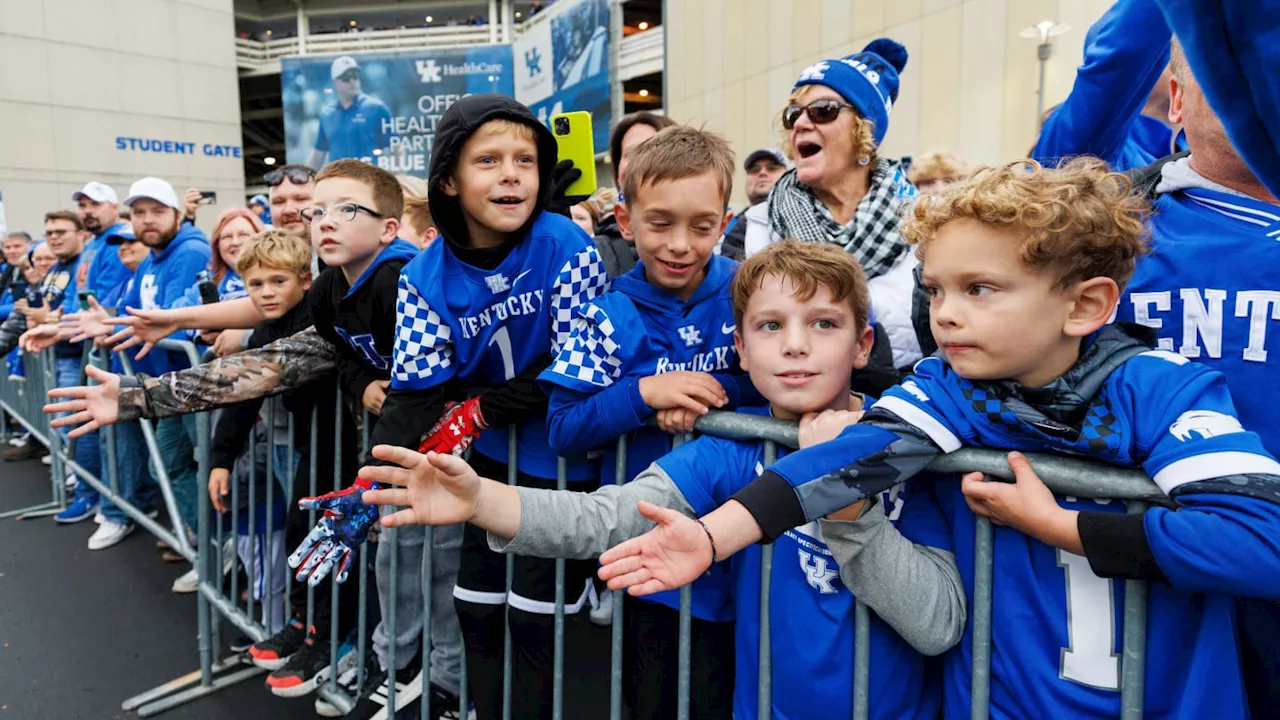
(436, 489)
(671, 555)
(90, 406)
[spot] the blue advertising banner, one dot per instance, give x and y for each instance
(562, 64)
(382, 107)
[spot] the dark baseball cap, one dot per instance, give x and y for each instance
(773, 154)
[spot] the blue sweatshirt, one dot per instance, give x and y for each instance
(1125, 53)
(107, 275)
(161, 280)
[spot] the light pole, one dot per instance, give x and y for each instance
(1042, 31)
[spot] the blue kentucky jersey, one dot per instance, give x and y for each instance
(354, 131)
(1209, 289)
(637, 330)
(811, 612)
(480, 327)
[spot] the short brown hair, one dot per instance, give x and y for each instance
(676, 153)
(69, 215)
(418, 211)
(1078, 222)
(1177, 60)
(276, 250)
(643, 117)
(864, 130)
(388, 198)
(809, 267)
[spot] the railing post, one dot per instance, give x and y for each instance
(1133, 661)
(764, 702)
(615, 646)
(983, 556)
(303, 29)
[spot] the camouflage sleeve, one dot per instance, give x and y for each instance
(277, 367)
(11, 330)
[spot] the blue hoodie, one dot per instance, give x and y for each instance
(161, 281)
(107, 275)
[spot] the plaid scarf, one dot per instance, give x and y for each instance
(871, 237)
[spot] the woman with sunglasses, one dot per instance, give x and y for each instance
(840, 190)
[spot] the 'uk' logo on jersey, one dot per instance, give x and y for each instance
(497, 283)
(429, 71)
(147, 291)
(1205, 423)
(818, 573)
(365, 347)
(690, 335)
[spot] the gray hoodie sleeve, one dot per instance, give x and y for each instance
(576, 525)
(916, 589)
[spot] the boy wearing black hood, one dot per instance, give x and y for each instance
(479, 316)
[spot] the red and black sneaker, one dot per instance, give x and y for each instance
(306, 669)
(274, 652)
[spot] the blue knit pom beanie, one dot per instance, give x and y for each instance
(867, 80)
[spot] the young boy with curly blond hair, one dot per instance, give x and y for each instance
(1024, 268)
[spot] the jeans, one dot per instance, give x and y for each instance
(133, 473)
(176, 438)
(86, 446)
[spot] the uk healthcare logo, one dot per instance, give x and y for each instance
(429, 71)
(533, 58)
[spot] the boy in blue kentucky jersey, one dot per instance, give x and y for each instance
(1025, 271)
(660, 344)
(479, 316)
(801, 309)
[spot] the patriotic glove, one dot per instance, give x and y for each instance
(456, 429)
(328, 547)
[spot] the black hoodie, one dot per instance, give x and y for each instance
(415, 411)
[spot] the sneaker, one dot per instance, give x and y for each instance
(444, 705)
(45, 460)
(187, 582)
(602, 612)
(71, 482)
(241, 643)
(20, 440)
(108, 534)
(305, 670)
(98, 517)
(372, 704)
(274, 652)
(78, 511)
(29, 451)
(349, 683)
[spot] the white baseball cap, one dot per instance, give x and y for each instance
(341, 65)
(96, 191)
(153, 188)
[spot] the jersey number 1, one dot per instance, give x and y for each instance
(502, 339)
(1090, 658)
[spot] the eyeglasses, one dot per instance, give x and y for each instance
(297, 176)
(344, 213)
(820, 112)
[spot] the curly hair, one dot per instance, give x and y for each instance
(1078, 222)
(864, 136)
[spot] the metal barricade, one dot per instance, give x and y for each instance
(22, 398)
(216, 601)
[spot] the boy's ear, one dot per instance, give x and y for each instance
(724, 222)
(1093, 302)
(449, 187)
(862, 351)
(305, 280)
(623, 217)
(390, 228)
(741, 348)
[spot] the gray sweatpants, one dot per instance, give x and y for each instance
(446, 638)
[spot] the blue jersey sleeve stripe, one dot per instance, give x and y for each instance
(927, 423)
(1213, 465)
(423, 346)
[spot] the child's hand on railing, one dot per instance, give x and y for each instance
(91, 406)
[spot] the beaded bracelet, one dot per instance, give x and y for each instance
(714, 558)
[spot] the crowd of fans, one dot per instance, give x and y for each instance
(896, 309)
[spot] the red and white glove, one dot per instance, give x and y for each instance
(456, 429)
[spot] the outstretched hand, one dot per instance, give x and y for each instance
(437, 489)
(40, 337)
(141, 327)
(330, 544)
(91, 406)
(670, 556)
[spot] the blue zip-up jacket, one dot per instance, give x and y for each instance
(1125, 53)
(161, 281)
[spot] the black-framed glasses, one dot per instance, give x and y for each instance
(296, 175)
(820, 112)
(344, 213)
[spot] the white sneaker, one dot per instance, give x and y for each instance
(108, 534)
(71, 482)
(187, 583)
(99, 518)
(20, 440)
(602, 612)
(47, 460)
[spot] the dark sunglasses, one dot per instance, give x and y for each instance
(297, 176)
(349, 76)
(820, 112)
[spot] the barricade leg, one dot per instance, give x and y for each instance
(764, 702)
(25, 404)
(615, 648)
(983, 557)
(1133, 664)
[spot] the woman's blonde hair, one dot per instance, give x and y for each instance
(937, 165)
(864, 138)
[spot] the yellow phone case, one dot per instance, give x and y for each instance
(575, 141)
